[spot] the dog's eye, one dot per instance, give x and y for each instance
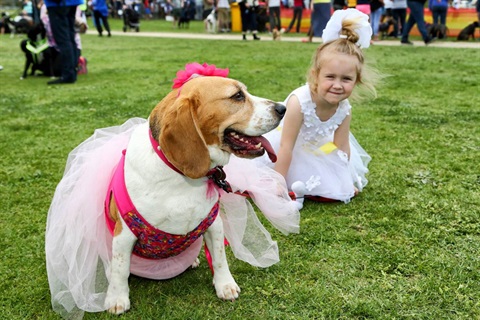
(239, 96)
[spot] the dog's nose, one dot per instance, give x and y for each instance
(280, 109)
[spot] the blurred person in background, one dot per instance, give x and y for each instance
(274, 14)
(417, 16)
(100, 15)
(439, 9)
(62, 21)
(297, 15)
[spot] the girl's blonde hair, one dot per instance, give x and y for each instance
(367, 76)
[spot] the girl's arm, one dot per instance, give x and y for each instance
(341, 135)
(291, 126)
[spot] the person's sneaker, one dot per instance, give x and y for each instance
(429, 41)
(82, 65)
(407, 42)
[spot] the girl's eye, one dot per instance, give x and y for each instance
(239, 96)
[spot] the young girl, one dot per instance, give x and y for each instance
(317, 154)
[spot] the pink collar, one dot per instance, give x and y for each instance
(159, 152)
(216, 175)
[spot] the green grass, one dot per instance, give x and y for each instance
(407, 248)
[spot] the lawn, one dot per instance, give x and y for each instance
(407, 248)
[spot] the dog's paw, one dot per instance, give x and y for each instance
(229, 291)
(117, 305)
(195, 263)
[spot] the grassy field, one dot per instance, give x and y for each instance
(407, 248)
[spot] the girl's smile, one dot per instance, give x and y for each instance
(336, 80)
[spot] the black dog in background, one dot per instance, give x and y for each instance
(468, 32)
(386, 27)
(186, 14)
(44, 60)
(437, 31)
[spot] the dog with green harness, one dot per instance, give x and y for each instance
(39, 55)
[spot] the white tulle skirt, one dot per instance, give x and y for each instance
(78, 243)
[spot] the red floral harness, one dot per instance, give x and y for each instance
(152, 243)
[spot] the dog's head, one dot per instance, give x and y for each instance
(277, 34)
(36, 32)
(199, 125)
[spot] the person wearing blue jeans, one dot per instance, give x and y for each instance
(377, 8)
(439, 9)
(100, 16)
(61, 14)
(416, 16)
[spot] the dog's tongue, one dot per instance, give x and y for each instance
(268, 148)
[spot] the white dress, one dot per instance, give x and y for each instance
(324, 173)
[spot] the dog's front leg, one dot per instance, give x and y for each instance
(27, 66)
(225, 285)
(117, 300)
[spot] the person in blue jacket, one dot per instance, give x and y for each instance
(61, 14)
(439, 9)
(100, 14)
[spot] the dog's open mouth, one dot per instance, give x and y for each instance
(245, 146)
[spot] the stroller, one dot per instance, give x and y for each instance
(131, 18)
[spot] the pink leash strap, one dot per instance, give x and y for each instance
(209, 257)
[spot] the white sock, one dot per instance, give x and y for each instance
(299, 189)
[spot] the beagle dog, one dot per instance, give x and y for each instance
(170, 168)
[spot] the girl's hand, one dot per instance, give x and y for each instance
(291, 127)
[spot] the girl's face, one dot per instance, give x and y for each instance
(337, 78)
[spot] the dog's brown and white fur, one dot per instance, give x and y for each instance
(197, 129)
(277, 34)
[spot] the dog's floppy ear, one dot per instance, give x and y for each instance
(181, 139)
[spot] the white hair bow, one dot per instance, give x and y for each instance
(362, 26)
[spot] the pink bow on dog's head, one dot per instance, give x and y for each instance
(195, 69)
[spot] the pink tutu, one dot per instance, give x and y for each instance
(78, 243)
